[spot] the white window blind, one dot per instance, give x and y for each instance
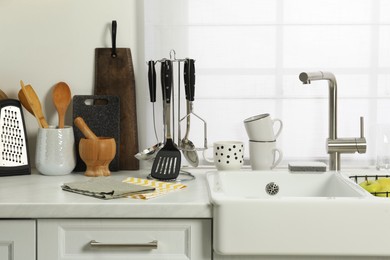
(249, 54)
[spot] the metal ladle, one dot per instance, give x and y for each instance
(188, 148)
(150, 153)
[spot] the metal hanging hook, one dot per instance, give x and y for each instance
(148, 62)
(113, 39)
(172, 53)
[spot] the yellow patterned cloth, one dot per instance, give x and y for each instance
(161, 187)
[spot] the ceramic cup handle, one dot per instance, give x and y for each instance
(280, 126)
(279, 156)
(210, 160)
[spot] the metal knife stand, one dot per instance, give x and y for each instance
(178, 114)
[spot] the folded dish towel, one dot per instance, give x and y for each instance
(160, 187)
(105, 188)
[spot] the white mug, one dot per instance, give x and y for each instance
(261, 127)
(227, 155)
(264, 155)
(55, 150)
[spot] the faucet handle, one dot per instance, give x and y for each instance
(361, 143)
(361, 127)
(349, 145)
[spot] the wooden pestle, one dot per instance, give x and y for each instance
(87, 132)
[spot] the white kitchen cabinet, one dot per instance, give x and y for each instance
(17, 240)
(297, 257)
(109, 239)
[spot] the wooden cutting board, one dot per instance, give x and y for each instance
(115, 76)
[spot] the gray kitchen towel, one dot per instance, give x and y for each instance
(105, 188)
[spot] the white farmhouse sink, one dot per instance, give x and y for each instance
(308, 214)
(283, 185)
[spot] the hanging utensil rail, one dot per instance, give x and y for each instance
(180, 117)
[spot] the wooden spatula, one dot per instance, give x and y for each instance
(35, 104)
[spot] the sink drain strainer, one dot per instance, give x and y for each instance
(272, 188)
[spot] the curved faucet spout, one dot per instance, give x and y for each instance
(307, 77)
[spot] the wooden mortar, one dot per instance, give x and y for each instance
(96, 152)
(97, 155)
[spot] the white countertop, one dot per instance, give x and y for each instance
(40, 196)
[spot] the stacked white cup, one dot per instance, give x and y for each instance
(262, 141)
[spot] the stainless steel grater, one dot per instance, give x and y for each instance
(13, 139)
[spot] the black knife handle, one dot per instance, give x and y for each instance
(168, 75)
(152, 81)
(162, 78)
(189, 79)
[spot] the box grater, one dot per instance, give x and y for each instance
(13, 139)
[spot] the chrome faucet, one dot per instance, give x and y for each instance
(336, 146)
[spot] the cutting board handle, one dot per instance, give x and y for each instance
(113, 38)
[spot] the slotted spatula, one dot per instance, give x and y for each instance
(166, 165)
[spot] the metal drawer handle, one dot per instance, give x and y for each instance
(150, 245)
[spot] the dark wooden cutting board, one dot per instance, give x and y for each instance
(114, 75)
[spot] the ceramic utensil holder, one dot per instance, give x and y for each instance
(55, 151)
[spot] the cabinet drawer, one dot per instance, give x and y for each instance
(124, 239)
(17, 239)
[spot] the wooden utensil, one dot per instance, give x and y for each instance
(97, 155)
(114, 75)
(61, 99)
(23, 100)
(84, 128)
(35, 104)
(3, 95)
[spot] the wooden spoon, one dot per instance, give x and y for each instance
(87, 132)
(3, 95)
(35, 104)
(23, 100)
(61, 99)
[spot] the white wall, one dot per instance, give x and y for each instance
(47, 41)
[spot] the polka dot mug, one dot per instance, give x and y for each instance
(227, 155)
